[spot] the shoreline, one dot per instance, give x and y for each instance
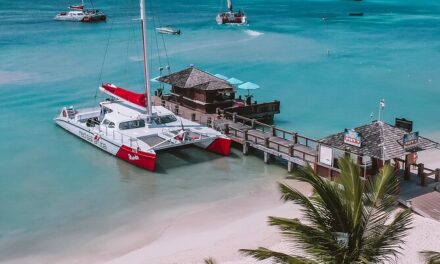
(218, 230)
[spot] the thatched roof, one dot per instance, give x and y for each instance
(371, 141)
(195, 78)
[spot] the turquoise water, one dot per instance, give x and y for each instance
(57, 192)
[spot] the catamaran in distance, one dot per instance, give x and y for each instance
(78, 13)
(129, 127)
(231, 17)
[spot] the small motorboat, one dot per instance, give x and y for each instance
(231, 17)
(168, 30)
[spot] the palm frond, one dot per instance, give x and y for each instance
(264, 253)
(344, 221)
(431, 257)
(384, 242)
(306, 236)
(209, 261)
(327, 197)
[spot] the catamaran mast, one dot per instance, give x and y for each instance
(230, 5)
(145, 49)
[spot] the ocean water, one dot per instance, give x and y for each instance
(58, 194)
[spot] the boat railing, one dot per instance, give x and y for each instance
(117, 135)
(113, 134)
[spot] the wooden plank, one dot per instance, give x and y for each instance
(427, 205)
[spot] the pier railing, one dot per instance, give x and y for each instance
(283, 142)
(422, 171)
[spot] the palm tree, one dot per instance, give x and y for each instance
(350, 221)
(209, 261)
(431, 257)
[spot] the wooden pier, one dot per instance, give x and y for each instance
(290, 146)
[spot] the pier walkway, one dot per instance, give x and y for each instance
(290, 146)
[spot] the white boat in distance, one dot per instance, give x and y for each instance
(78, 13)
(231, 17)
(129, 127)
(168, 30)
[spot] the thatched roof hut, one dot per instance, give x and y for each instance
(371, 141)
(199, 90)
(197, 79)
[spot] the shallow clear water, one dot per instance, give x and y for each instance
(329, 75)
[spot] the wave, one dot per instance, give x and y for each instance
(253, 33)
(9, 77)
(135, 58)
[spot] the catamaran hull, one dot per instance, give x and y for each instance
(220, 145)
(136, 157)
(68, 18)
(227, 19)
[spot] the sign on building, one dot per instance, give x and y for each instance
(410, 140)
(325, 155)
(352, 137)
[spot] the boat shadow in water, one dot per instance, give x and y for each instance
(168, 160)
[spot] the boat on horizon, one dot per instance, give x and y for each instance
(169, 30)
(231, 17)
(129, 127)
(78, 13)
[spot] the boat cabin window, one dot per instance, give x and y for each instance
(132, 124)
(108, 123)
(164, 119)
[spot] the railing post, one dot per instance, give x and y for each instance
(245, 134)
(226, 129)
(295, 138)
(406, 173)
(421, 174)
(253, 123)
(437, 175)
(266, 142)
(234, 117)
(290, 151)
(274, 131)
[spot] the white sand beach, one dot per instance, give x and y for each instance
(220, 229)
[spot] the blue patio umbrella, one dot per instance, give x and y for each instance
(248, 86)
(221, 76)
(155, 79)
(234, 81)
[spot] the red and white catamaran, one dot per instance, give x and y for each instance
(129, 127)
(231, 17)
(78, 13)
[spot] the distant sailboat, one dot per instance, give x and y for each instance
(231, 17)
(78, 13)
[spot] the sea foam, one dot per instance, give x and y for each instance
(253, 33)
